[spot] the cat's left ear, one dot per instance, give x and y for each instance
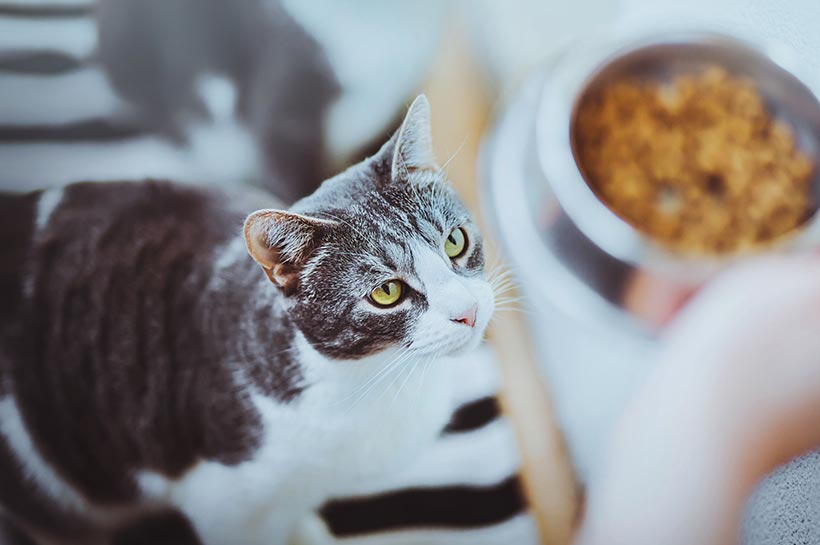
(281, 242)
(414, 142)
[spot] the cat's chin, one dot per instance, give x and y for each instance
(459, 347)
(469, 346)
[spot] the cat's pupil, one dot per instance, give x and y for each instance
(386, 288)
(450, 239)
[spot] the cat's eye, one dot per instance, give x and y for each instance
(455, 243)
(387, 294)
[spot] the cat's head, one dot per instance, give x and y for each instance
(382, 255)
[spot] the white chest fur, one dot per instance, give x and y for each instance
(355, 420)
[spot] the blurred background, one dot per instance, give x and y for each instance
(280, 94)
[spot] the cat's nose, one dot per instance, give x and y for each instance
(467, 317)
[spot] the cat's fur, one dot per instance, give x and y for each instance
(146, 362)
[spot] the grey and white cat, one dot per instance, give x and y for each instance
(146, 363)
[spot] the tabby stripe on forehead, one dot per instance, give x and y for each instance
(443, 507)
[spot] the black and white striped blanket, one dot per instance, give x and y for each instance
(464, 489)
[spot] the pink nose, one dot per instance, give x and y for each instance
(467, 317)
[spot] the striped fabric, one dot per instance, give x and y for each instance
(58, 112)
(464, 489)
(61, 120)
(67, 113)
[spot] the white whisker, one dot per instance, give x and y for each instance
(373, 381)
(453, 156)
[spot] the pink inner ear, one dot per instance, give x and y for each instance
(256, 239)
(280, 242)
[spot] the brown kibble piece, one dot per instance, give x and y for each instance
(696, 162)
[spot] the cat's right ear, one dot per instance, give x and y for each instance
(281, 242)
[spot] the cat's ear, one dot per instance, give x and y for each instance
(413, 146)
(281, 242)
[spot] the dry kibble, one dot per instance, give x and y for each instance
(696, 162)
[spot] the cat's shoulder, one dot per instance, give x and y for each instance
(88, 205)
(150, 198)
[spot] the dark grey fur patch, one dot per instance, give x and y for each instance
(120, 275)
(17, 215)
(119, 361)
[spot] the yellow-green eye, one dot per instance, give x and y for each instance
(387, 294)
(456, 243)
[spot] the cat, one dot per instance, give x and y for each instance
(147, 363)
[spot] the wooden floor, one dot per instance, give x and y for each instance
(461, 108)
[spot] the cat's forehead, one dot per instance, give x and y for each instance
(394, 217)
(406, 208)
(377, 233)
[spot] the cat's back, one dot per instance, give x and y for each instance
(99, 286)
(102, 213)
(63, 232)
(56, 237)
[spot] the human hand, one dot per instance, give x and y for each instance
(736, 392)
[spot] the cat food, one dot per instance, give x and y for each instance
(696, 162)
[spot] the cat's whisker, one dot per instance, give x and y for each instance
(423, 376)
(412, 369)
(382, 375)
(361, 387)
(505, 300)
(453, 156)
(498, 270)
(397, 360)
(498, 291)
(502, 277)
(504, 290)
(504, 287)
(501, 274)
(519, 310)
(389, 386)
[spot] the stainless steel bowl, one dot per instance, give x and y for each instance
(619, 274)
(590, 281)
